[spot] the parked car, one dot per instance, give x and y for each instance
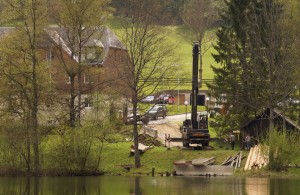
(141, 119)
(171, 99)
(166, 99)
(149, 99)
(160, 99)
(157, 111)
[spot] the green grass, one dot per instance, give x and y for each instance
(159, 157)
(177, 35)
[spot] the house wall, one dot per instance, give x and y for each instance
(105, 77)
(115, 74)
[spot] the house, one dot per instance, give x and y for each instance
(259, 126)
(103, 57)
(103, 62)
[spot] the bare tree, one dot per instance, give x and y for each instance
(24, 68)
(78, 21)
(199, 16)
(149, 56)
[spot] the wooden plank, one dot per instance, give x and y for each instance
(226, 161)
(248, 159)
(234, 159)
(240, 159)
(204, 161)
(254, 162)
(180, 162)
(237, 161)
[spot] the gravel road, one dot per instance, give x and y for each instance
(170, 126)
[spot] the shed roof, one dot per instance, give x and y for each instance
(263, 119)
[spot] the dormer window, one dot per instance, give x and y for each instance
(87, 78)
(92, 52)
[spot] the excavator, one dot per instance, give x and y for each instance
(195, 130)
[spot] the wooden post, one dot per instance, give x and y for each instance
(169, 140)
(166, 140)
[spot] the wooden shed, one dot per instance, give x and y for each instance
(260, 124)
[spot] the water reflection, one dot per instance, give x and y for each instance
(137, 188)
(257, 186)
(109, 185)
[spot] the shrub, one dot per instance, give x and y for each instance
(282, 148)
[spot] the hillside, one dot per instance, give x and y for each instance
(177, 35)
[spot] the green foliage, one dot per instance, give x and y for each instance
(223, 125)
(15, 149)
(283, 149)
(254, 60)
(79, 150)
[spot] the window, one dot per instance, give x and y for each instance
(68, 79)
(87, 78)
(51, 122)
(88, 102)
(49, 56)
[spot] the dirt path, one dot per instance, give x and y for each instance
(169, 129)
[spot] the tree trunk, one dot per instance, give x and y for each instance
(34, 126)
(35, 103)
(28, 148)
(72, 102)
(79, 96)
(271, 120)
(137, 160)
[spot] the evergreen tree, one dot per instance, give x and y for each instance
(255, 59)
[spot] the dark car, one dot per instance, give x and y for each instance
(141, 119)
(157, 111)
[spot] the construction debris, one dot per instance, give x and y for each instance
(234, 161)
(256, 158)
(142, 148)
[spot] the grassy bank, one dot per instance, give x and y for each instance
(159, 158)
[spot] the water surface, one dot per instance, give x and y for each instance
(119, 185)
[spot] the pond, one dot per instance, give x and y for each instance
(119, 185)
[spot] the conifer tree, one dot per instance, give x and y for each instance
(255, 58)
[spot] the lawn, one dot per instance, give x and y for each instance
(119, 154)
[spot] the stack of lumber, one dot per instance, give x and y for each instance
(256, 158)
(234, 161)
